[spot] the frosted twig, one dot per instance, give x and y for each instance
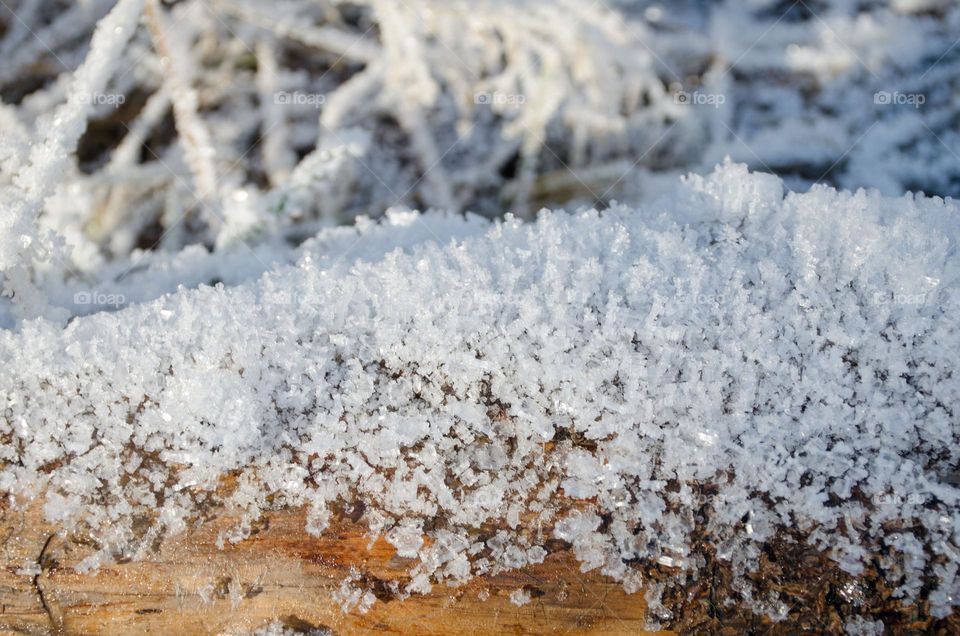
(78, 19)
(414, 89)
(128, 151)
(20, 242)
(20, 27)
(355, 99)
(343, 44)
(278, 159)
(193, 134)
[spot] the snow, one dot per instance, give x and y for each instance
(789, 350)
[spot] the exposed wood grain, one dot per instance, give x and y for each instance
(189, 586)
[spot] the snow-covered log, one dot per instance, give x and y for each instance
(726, 360)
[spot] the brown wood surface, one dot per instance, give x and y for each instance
(189, 586)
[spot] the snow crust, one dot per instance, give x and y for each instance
(725, 356)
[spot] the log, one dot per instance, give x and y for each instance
(187, 585)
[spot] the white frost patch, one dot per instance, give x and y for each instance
(276, 628)
(350, 596)
(859, 626)
(520, 597)
(406, 538)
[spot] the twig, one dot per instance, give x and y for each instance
(194, 136)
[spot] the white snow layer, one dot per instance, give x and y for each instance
(794, 353)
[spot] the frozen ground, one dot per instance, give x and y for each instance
(210, 266)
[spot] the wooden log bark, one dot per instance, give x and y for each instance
(187, 585)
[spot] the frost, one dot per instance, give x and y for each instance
(352, 597)
(30, 569)
(277, 628)
(859, 626)
(407, 539)
(520, 597)
(22, 248)
(786, 350)
(180, 305)
(488, 106)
